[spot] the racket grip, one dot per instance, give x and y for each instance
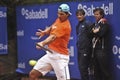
(45, 49)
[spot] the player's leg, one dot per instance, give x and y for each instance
(67, 73)
(41, 68)
(34, 74)
(60, 67)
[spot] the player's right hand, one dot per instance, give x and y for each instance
(39, 43)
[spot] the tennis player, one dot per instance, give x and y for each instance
(57, 41)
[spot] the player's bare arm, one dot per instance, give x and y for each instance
(46, 41)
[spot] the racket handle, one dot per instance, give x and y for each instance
(45, 49)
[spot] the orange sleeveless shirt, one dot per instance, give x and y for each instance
(62, 30)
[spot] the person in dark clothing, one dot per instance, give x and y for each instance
(101, 31)
(84, 43)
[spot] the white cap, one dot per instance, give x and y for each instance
(64, 8)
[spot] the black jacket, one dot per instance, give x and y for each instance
(84, 38)
(103, 36)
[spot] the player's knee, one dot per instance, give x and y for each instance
(34, 74)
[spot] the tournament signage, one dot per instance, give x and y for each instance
(31, 18)
(116, 39)
(3, 30)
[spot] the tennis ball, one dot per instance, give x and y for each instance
(32, 62)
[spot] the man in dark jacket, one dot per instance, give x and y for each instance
(84, 44)
(101, 45)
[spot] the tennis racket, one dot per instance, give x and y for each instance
(43, 48)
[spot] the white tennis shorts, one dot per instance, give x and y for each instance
(56, 61)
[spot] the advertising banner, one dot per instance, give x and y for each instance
(3, 30)
(114, 20)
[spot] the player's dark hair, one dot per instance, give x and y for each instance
(80, 11)
(66, 12)
(101, 11)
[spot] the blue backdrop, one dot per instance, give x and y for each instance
(31, 18)
(3, 30)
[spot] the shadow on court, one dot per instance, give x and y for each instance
(18, 76)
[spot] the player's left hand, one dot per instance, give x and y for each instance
(40, 33)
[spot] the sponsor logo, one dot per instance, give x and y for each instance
(3, 47)
(117, 37)
(34, 14)
(2, 14)
(108, 8)
(34, 38)
(21, 65)
(116, 50)
(20, 33)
